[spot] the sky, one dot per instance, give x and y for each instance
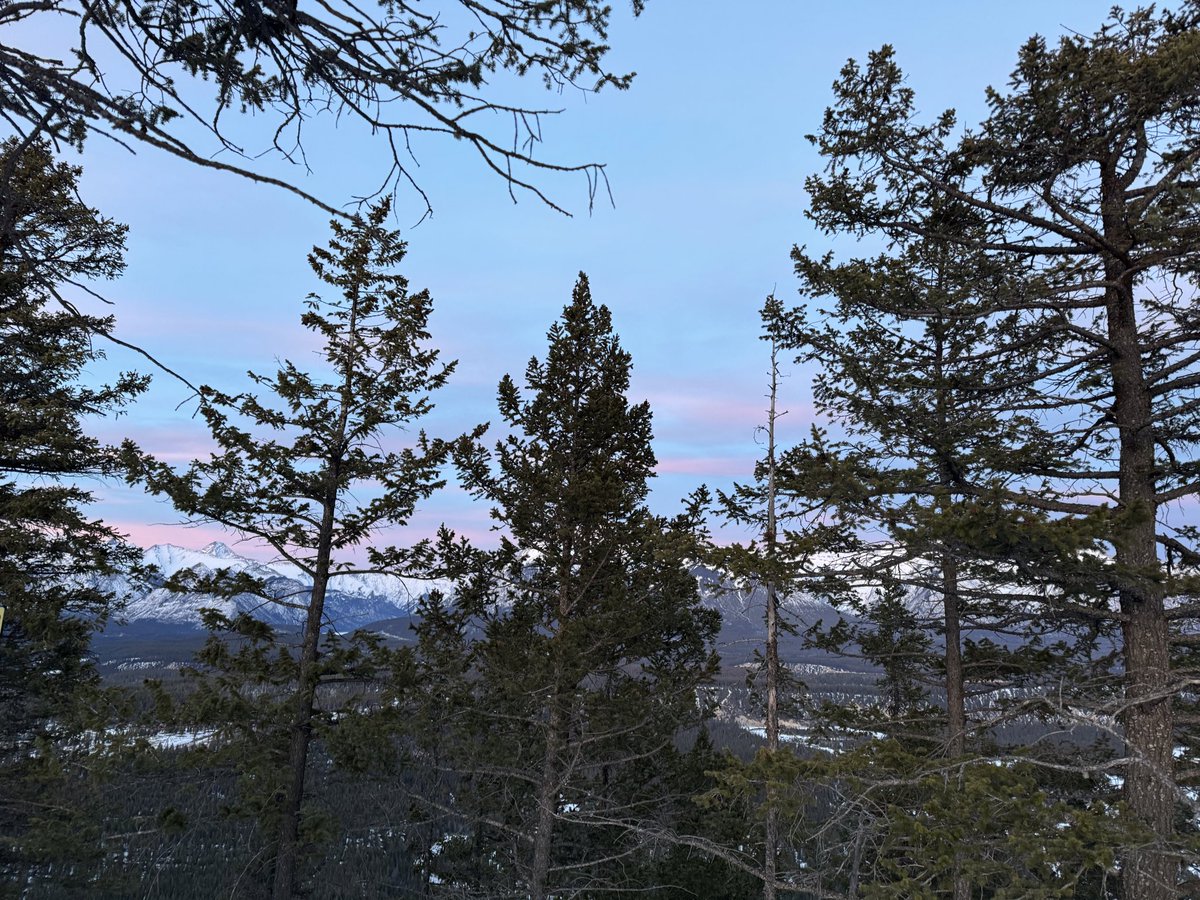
(706, 157)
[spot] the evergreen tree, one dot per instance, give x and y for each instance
(1082, 181)
(923, 409)
(587, 651)
(929, 418)
(312, 478)
(699, 860)
(897, 644)
(53, 556)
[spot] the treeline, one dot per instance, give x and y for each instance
(997, 495)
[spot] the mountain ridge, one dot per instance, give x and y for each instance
(352, 599)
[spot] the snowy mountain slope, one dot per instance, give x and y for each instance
(356, 600)
(864, 572)
(352, 600)
(737, 604)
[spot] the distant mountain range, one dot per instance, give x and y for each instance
(160, 627)
(386, 603)
(352, 601)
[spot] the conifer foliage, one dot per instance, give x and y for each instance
(591, 642)
(921, 409)
(53, 556)
(1081, 184)
(312, 475)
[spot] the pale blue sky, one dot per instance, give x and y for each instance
(706, 156)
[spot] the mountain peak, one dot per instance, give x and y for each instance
(353, 600)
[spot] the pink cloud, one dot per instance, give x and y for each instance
(720, 406)
(717, 466)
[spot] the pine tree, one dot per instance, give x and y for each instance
(1082, 180)
(591, 644)
(933, 415)
(53, 555)
(909, 377)
(311, 477)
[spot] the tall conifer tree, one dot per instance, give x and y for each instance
(765, 569)
(53, 556)
(591, 644)
(1083, 179)
(923, 409)
(312, 477)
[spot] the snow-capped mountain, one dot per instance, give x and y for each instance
(355, 600)
(736, 603)
(352, 600)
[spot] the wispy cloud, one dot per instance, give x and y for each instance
(706, 466)
(716, 409)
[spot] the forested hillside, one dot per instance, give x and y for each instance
(938, 640)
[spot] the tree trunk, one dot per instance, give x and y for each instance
(287, 856)
(956, 712)
(1149, 871)
(548, 787)
(547, 807)
(771, 826)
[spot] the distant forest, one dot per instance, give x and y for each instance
(996, 513)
